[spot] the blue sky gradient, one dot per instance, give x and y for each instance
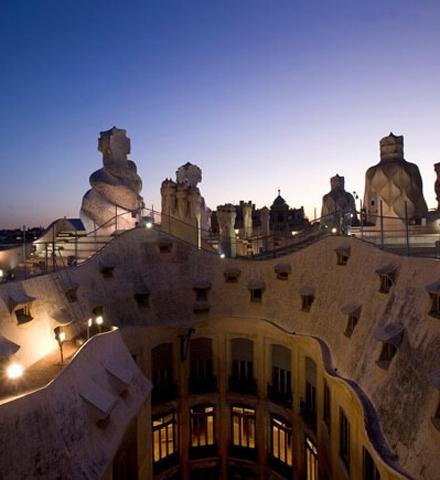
(260, 94)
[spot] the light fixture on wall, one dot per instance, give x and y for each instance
(14, 370)
(60, 336)
(99, 321)
(89, 324)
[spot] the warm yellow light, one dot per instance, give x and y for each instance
(334, 230)
(222, 255)
(62, 336)
(14, 370)
(148, 224)
(99, 320)
(89, 322)
(1, 273)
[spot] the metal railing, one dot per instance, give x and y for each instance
(397, 234)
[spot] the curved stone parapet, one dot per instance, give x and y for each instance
(114, 201)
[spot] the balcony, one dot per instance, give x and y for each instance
(243, 386)
(243, 452)
(308, 414)
(164, 393)
(167, 463)
(280, 467)
(202, 385)
(284, 399)
(206, 451)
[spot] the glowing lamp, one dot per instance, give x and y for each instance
(149, 224)
(14, 370)
(99, 320)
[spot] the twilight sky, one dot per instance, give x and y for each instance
(261, 94)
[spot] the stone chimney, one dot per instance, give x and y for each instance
(247, 219)
(391, 148)
(226, 221)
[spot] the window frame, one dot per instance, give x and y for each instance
(246, 428)
(205, 423)
(344, 439)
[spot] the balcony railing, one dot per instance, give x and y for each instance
(308, 414)
(243, 386)
(171, 461)
(206, 451)
(243, 452)
(164, 393)
(202, 385)
(281, 398)
(280, 467)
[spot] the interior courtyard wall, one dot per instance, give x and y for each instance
(403, 391)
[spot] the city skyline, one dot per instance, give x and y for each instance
(261, 96)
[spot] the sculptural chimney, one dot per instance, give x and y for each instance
(226, 221)
(393, 187)
(114, 202)
(247, 219)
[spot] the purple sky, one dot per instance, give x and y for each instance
(260, 94)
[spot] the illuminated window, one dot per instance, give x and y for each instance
(282, 440)
(243, 427)
(71, 294)
(202, 426)
(370, 470)
(311, 460)
(344, 439)
(24, 314)
(164, 437)
(326, 415)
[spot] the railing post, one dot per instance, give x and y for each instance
(362, 221)
(24, 251)
(47, 257)
(407, 228)
(381, 223)
(53, 248)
